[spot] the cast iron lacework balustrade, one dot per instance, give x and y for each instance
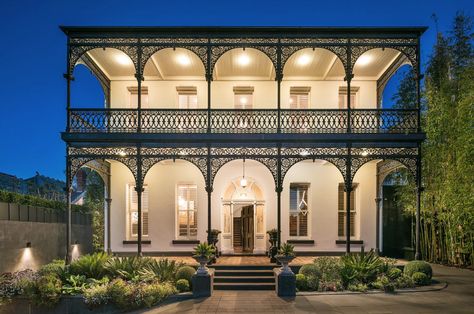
(384, 120)
(235, 121)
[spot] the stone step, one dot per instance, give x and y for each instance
(244, 286)
(268, 267)
(242, 279)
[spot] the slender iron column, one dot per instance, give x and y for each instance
(209, 194)
(348, 189)
(279, 189)
(67, 189)
(108, 202)
(348, 78)
(419, 189)
(68, 77)
(378, 203)
(139, 78)
(209, 80)
(278, 78)
(139, 189)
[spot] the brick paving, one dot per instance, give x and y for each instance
(242, 260)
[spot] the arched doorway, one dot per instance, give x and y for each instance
(243, 215)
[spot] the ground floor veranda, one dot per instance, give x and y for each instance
(219, 197)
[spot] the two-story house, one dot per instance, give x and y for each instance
(242, 129)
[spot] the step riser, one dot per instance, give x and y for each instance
(217, 287)
(244, 280)
(252, 267)
(242, 274)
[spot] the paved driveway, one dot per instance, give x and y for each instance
(458, 297)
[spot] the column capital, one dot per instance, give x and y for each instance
(279, 189)
(139, 76)
(139, 188)
(108, 200)
(209, 189)
(68, 77)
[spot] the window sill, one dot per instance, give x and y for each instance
(297, 241)
(186, 241)
(136, 242)
(352, 242)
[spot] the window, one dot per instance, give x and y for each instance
(133, 92)
(133, 211)
(299, 97)
(187, 97)
(341, 208)
(243, 97)
(187, 211)
(343, 97)
(299, 210)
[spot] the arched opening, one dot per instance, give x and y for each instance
(244, 206)
(174, 78)
(87, 90)
(310, 204)
(176, 201)
(244, 78)
(400, 91)
(311, 78)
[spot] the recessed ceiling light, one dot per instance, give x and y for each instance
(243, 59)
(304, 59)
(364, 60)
(184, 60)
(123, 59)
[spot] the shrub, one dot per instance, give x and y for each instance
(147, 295)
(185, 272)
(182, 285)
(121, 293)
(393, 273)
(12, 284)
(287, 250)
(360, 268)
(312, 274)
(74, 284)
(330, 269)
(359, 287)
(56, 267)
(163, 269)
(383, 283)
(128, 268)
(301, 282)
(418, 266)
(96, 295)
(91, 265)
(421, 279)
(204, 249)
(404, 282)
(45, 291)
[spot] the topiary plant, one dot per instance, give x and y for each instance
(312, 274)
(182, 285)
(421, 279)
(301, 282)
(418, 266)
(185, 272)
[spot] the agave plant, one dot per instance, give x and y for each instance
(204, 250)
(287, 250)
(360, 267)
(163, 269)
(91, 265)
(128, 268)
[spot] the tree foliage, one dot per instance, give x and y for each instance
(447, 217)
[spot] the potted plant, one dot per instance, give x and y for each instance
(285, 255)
(273, 238)
(213, 239)
(203, 253)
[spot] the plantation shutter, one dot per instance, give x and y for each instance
(187, 211)
(298, 221)
(134, 211)
(341, 207)
(299, 97)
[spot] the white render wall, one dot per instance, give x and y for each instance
(322, 176)
(324, 94)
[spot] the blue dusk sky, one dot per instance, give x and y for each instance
(33, 53)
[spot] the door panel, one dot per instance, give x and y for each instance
(247, 229)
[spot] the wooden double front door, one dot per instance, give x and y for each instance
(244, 231)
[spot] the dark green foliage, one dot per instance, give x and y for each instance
(44, 291)
(421, 279)
(384, 283)
(121, 293)
(12, 284)
(185, 272)
(301, 282)
(75, 284)
(163, 269)
(418, 266)
(56, 267)
(360, 267)
(287, 249)
(330, 269)
(394, 273)
(404, 281)
(182, 285)
(96, 295)
(128, 268)
(204, 249)
(312, 275)
(91, 265)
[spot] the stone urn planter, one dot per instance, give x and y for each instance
(285, 255)
(203, 253)
(202, 260)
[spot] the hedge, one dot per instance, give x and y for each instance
(24, 199)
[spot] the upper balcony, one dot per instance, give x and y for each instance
(217, 87)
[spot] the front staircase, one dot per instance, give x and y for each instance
(244, 277)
